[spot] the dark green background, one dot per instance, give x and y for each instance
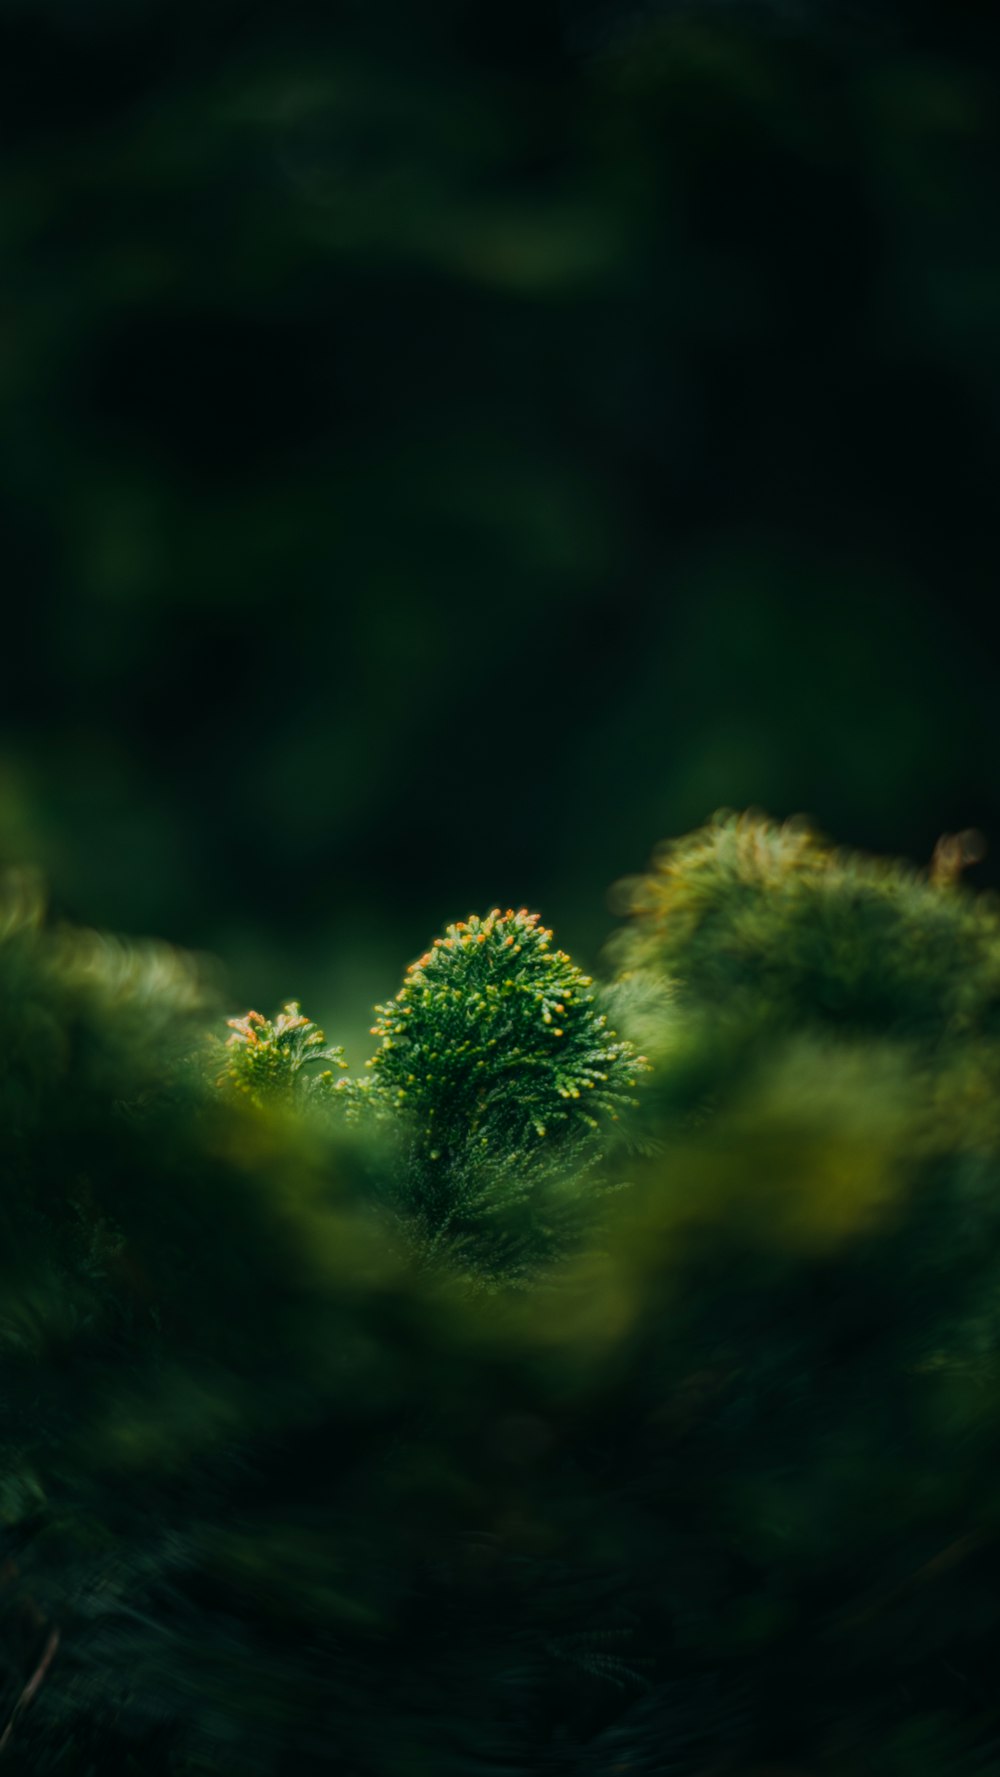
(448, 449)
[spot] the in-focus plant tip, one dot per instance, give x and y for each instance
(494, 1027)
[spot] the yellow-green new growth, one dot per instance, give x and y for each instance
(496, 1039)
(264, 1058)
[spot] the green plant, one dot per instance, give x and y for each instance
(497, 1037)
(495, 1070)
(266, 1059)
(714, 1492)
(771, 928)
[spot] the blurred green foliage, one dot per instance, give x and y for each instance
(714, 1494)
(444, 450)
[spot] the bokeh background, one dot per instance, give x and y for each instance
(448, 449)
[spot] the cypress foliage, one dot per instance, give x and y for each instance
(265, 1059)
(714, 1493)
(497, 1038)
(500, 1064)
(769, 927)
(495, 1068)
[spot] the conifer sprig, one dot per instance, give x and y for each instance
(265, 1059)
(484, 1101)
(497, 1037)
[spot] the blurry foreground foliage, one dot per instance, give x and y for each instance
(709, 1488)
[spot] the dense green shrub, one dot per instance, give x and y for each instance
(710, 1490)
